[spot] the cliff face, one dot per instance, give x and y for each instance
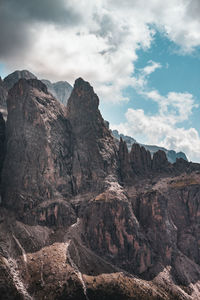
(95, 153)
(171, 154)
(83, 219)
(38, 152)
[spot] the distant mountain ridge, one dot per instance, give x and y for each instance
(171, 154)
(61, 90)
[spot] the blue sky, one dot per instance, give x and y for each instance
(142, 58)
(179, 73)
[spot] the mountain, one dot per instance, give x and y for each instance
(8, 83)
(61, 90)
(84, 218)
(12, 78)
(171, 154)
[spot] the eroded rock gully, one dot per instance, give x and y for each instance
(81, 218)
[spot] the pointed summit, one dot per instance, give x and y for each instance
(83, 99)
(95, 151)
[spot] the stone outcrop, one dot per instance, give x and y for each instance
(95, 153)
(111, 230)
(140, 159)
(39, 148)
(126, 171)
(160, 162)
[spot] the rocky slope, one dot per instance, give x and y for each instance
(83, 218)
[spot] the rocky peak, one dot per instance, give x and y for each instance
(124, 161)
(84, 98)
(39, 151)
(140, 159)
(12, 78)
(95, 148)
(83, 112)
(160, 162)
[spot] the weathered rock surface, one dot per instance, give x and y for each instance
(160, 162)
(83, 219)
(126, 171)
(140, 159)
(39, 149)
(95, 153)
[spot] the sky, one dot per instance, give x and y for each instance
(142, 58)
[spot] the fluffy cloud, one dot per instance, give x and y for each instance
(157, 130)
(97, 40)
(162, 128)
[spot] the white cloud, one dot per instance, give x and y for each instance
(162, 128)
(101, 46)
(156, 130)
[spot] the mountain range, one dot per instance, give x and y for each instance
(61, 90)
(81, 216)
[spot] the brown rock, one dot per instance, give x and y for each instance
(160, 162)
(126, 172)
(95, 154)
(112, 231)
(39, 148)
(140, 160)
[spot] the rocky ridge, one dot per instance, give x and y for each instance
(171, 154)
(81, 218)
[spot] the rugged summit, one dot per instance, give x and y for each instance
(171, 154)
(81, 218)
(95, 153)
(12, 78)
